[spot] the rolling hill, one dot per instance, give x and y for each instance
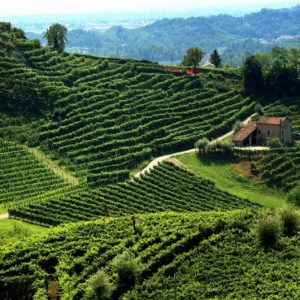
(23, 176)
(197, 255)
(168, 39)
(105, 116)
(165, 188)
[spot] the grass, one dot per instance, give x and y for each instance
(231, 176)
(14, 230)
(3, 210)
(228, 138)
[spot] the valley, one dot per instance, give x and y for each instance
(119, 178)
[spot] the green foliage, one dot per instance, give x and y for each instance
(193, 57)
(127, 266)
(215, 59)
(259, 109)
(220, 147)
(275, 143)
(268, 231)
(56, 36)
(105, 116)
(165, 188)
(253, 76)
(276, 72)
(294, 196)
(280, 166)
(290, 220)
(99, 286)
(202, 144)
(22, 175)
(238, 125)
(210, 254)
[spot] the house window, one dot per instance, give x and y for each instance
(268, 132)
(259, 132)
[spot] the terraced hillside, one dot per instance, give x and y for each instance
(210, 255)
(166, 188)
(108, 115)
(22, 176)
(281, 167)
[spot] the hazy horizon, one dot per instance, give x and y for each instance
(18, 8)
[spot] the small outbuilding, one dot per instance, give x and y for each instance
(209, 65)
(263, 130)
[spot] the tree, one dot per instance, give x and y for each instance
(253, 75)
(127, 268)
(295, 57)
(56, 36)
(294, 196)
(193, 57)
(99, 286)
(290, 220)
(215, 59)
(202, 144)
(268, 231)
(238, 125)
(280, 56)
(282, 80)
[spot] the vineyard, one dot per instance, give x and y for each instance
(74, 129)
(23, 176)
(288, 107)
(210, 254)
(165, 188)
(281, 167)
(109, 115)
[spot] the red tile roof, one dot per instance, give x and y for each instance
(271, 120)
(244, 132)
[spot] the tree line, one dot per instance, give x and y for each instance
(276, 72)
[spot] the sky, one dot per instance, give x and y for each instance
(36, 7)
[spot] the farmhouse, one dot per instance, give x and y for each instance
(263, 130)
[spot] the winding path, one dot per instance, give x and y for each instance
(4, 216)
(157, 160)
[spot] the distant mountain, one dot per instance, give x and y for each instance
(166, 40)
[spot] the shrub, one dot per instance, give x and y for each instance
(220, 147)
(268, 231)
(202, 144)
(238, 125)
(259, 109)
(127, 267)
(290, 221)
(294, 196)
(275, 143)
(99, 286)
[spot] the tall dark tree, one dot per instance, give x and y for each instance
(282, 80)
(253, 75)
(56, 36)
(215, 59)
(193, 57)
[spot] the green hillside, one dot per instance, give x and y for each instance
(73, 131)
(105, 116)
(202, 255)
(281, 167)
(165, 188)
(23, 176)
(289, 107)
